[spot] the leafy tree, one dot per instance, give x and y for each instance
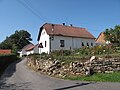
(16, 41)
(113, 35)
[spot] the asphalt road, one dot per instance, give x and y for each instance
(18, 77)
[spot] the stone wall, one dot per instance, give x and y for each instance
(61, 69)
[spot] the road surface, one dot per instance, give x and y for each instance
(18, 77)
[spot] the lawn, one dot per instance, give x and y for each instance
(100, 77)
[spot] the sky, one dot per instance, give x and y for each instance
(30, 15)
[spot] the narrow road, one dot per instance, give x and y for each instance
(18, 77)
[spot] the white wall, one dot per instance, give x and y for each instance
(36, 49)
(70, 42)
(30, 52)
(44, 37)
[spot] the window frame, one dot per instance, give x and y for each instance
(62, 43)
(45, 43)
(82, 44)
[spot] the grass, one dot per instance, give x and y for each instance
(100, 77)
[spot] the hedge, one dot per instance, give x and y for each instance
(5, 60)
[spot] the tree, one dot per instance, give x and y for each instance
(113, 35)
(16, 41)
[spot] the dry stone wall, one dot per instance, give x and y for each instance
(77, 68)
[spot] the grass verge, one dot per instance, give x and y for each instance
(99, 77)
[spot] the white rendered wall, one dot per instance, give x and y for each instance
(44, 37)
(30, 52)
(70, 42)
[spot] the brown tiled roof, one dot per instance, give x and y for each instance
(32, 47)
(101, 39)
(63, 30)
(5, 51)
(27, 46)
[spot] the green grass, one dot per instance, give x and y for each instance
(100, 77)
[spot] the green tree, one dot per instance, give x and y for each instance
(113, 35)
(16, 41)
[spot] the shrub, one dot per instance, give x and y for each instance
(5, 60)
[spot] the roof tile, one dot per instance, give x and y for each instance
(70, 31)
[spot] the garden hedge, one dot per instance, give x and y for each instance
(5, 60)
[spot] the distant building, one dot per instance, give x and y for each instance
(5, 51)
(101, 39)
(32, 49)
(56, 37)
(24, 50)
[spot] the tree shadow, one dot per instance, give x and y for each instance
(16, 86)
(73, 86)
(8, 73)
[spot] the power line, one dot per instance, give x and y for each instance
(31, 9)
(31, 5)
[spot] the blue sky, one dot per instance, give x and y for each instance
(95, 15)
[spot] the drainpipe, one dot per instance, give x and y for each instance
(52, 36)
(50, 44)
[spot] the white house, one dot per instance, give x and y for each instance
(24, 50)
(56, 37)
(33, 49)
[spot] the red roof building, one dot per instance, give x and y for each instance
(67, 31)
(100, 39)
(55, 37)
(5, 51)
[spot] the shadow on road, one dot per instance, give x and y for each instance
(16, 86)
(8, 73)
(73, 86)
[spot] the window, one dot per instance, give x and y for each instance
(40, 45)
(52, 38)
(91, 44)
(88, 44)
(82, 44)
(45, 43)
(62, 43)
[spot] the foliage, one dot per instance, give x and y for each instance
(81, 54)
(5, 60)
(16, 41)
(61, 52)
(113, 35)
(101, 77)
(96, 50)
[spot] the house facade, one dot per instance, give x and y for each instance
(24, 50)
(33, 49)
(56, 37)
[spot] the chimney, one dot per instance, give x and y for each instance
(71, 25)
(52, 27)
(63, 24)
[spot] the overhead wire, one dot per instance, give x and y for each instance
(36, 10)
(30, 8)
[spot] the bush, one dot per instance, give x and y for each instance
(61, 52)
(5, 60)
(96, 50)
